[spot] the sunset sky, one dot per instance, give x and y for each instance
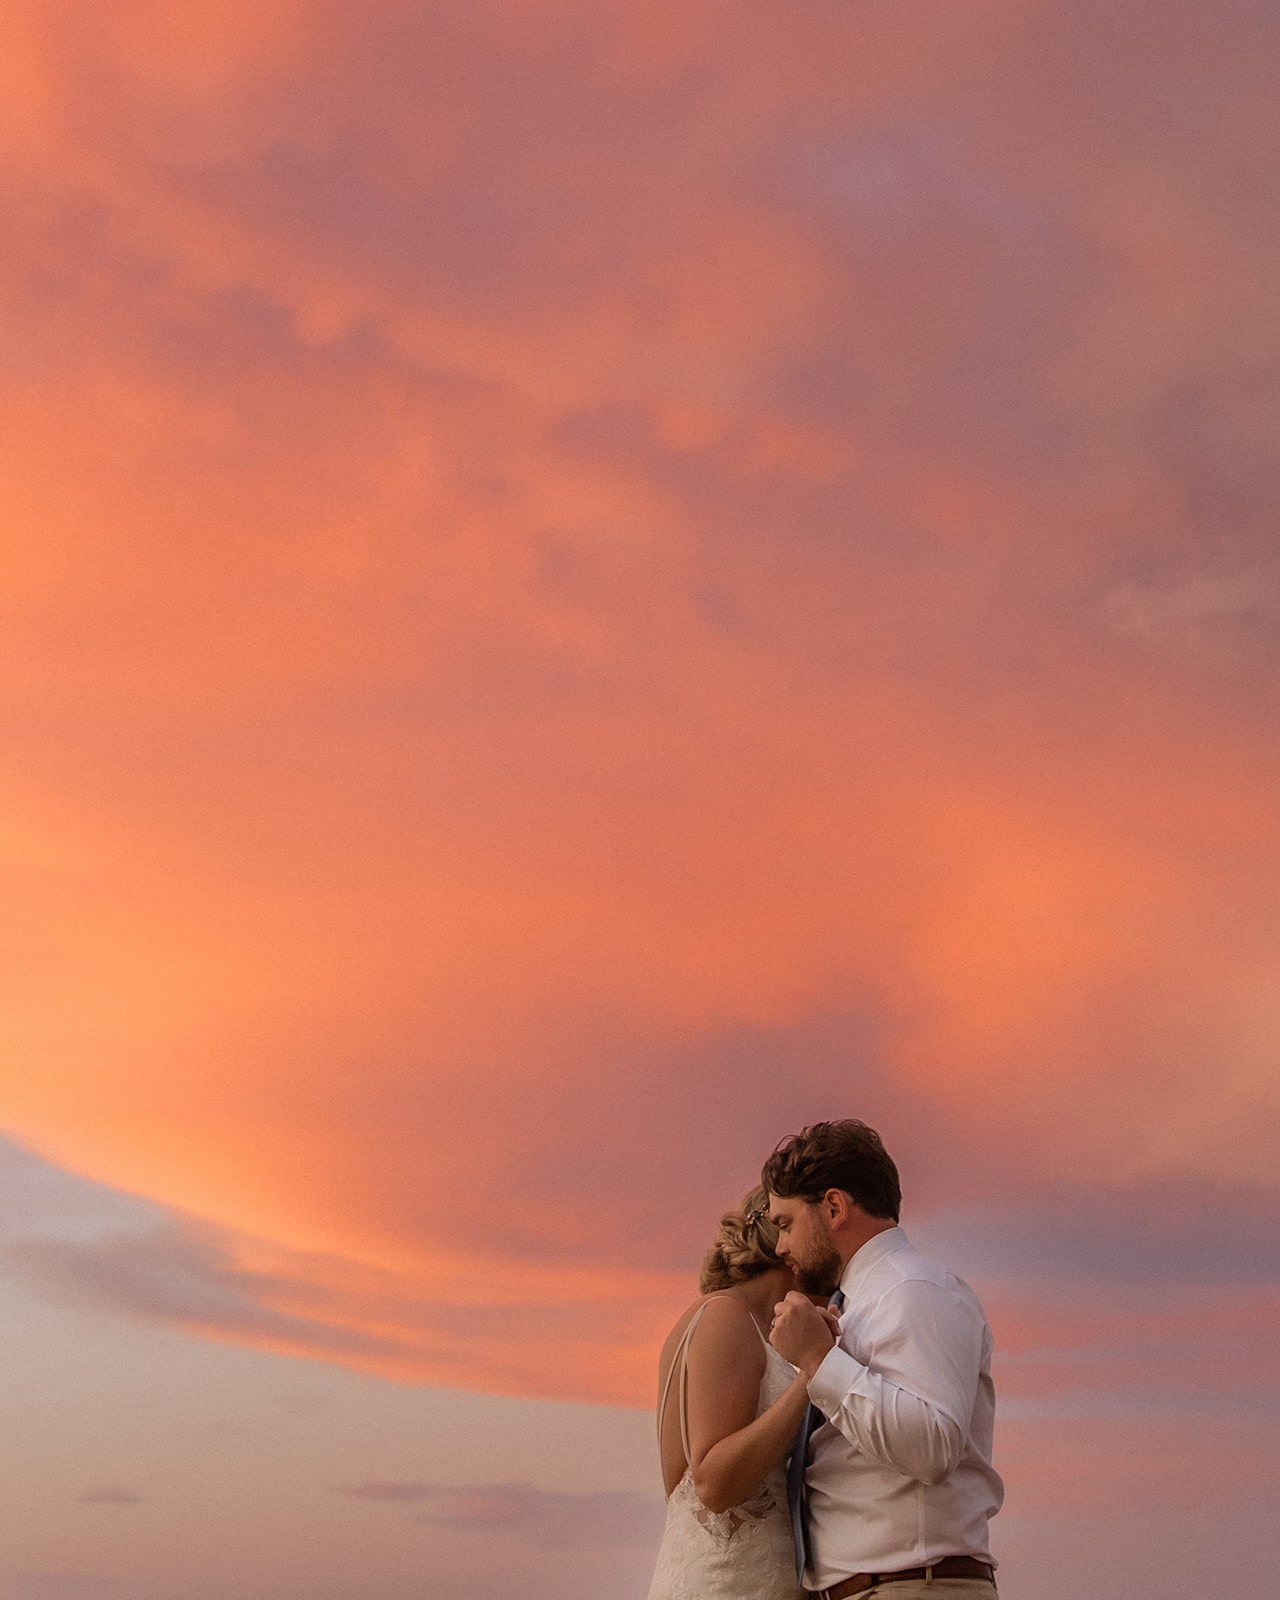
(586, 584)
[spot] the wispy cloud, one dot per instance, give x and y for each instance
(1133, 609)
(1159, 1281)
(53, 1585)
(447, 1323)
(519, 1511)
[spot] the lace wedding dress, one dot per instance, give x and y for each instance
(744, 1553)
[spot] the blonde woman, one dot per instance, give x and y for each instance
(728, 1410)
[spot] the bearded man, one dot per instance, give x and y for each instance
(895, 1483)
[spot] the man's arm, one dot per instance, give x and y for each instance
(802, 1333)
(909, 1408)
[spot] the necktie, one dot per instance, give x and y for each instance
(797, 1499)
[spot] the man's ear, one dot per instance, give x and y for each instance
(837, 1207)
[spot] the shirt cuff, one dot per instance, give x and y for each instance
(834, 1379)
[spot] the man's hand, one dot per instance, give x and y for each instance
(802, 1333)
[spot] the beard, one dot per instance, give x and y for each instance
(819, 1275)
(819, 1272)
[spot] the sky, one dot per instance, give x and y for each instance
(584, 586)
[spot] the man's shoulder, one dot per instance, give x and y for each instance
(907, 1265)
(909, 1262)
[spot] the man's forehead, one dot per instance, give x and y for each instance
(784, 1207)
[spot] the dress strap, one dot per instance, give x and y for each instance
(680, 1358)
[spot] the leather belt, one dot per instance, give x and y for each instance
(948, 1567)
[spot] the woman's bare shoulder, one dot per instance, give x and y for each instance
(723, 1320)
(726, 1327)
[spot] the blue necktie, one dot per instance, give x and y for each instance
(797, 1499)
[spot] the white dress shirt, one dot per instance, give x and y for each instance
(900, 1474)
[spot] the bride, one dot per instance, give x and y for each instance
(729, 1409)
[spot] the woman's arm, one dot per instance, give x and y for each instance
(730, 1448)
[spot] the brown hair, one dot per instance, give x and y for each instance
(836, 1155)
(744, 1246)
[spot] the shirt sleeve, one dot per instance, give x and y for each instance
(909, 1406)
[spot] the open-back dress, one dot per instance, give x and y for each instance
(744, 1553)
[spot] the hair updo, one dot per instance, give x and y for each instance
(744, 1247)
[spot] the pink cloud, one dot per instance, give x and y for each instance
(567, 602)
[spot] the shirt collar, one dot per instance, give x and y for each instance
(862, 1261)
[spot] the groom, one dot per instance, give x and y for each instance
(899, 1479)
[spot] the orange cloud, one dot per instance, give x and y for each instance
(589, 588)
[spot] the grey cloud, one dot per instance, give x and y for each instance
(59, 1586)
(1133, 609)
(519, 1510)
(401, 1493)
(170, 1268)
(108, 1496)
(89, 1245)
(181, 1273)
(37, 1197)
(174, 1272)
(1177, 1232)
(1158, 1241)
(744, 1087)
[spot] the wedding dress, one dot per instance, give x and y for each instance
(744, 1553)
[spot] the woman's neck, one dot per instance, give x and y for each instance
(761, 1294)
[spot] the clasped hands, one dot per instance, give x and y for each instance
(803, 1333)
